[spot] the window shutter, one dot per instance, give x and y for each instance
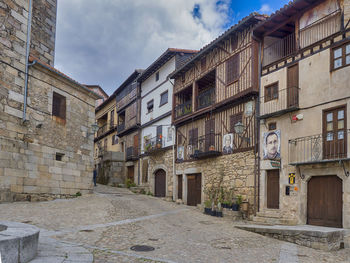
(232, 69)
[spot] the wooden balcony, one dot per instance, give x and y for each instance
(279, 49)
(206, 98)
(205, 146)
(183, 109)
(284, 101)
(319, 148)
(122, 102)
(131, 154)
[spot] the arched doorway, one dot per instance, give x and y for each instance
(325, 201)
(159, 181)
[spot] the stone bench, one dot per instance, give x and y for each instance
(18, 242)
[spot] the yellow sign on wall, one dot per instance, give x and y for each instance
(291, 178)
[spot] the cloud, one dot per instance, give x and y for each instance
(265, 9)
(102, 42)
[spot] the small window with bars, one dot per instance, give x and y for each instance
(150, 106)
(59, 106)
(271, 92)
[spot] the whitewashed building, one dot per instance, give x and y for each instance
(156, 131)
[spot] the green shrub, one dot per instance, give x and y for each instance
(129, 183)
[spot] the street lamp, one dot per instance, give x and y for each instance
(239, 129)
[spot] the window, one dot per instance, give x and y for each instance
(340, 56)
(163, 98)
(232, 69)
(150, 106)
(272, 126)
(114, 139)
(170, 134)
(157, 76)
(271, 92)
(59, 156)
(59, 106)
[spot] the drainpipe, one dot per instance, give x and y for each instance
(174, 176)
(29, 26)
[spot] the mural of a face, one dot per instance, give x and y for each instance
(272, 144)
(227, 141)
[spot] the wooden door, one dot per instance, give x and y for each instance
(209, 134)
(194, 189)
(293, 86)
(334, 133)
(179, 187)
(160, 183)
(324, 201)
(131, 173)
(273, 189)
(136, 145)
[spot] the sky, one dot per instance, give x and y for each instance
(103, 41)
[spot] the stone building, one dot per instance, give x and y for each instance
(108, 153)
(46, 145)
(99, 91)
(304, 111)
(214, 102)
(157, 140)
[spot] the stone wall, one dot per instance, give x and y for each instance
(43, 31)
(161, 160)
(233, 171)
(111, 168)
(28, 149)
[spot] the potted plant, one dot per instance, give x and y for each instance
(207, 207)
(211, 148)
(235, 207)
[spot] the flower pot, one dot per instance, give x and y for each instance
(219, 213)
(235, 207)
(207, 211)
(213, 213)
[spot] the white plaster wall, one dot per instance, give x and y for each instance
(147, 94)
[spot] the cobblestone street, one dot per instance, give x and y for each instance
(105, 225)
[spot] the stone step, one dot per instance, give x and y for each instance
(324, 238)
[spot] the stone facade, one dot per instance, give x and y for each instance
(161, 160)
(231, 172)
(43, 33)
(111, 168)
(30, 150)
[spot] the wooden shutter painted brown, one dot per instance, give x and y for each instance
(273, 189)
(59, 106)
(292, 85)
(209, 134)
(232, 69)
(136, 144)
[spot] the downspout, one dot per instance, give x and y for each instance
(29, 26)
(258, 122)
(174, 175)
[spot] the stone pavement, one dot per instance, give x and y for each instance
(109, 222)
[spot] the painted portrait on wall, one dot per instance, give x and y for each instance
(227, 143)
(180, 153)
(272, 145)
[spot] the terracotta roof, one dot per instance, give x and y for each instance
(54, 70)
(243, 22)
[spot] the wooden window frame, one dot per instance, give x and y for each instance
(343, 57)
(62, 104)
(167, 100)
(270, 98)
(149, 109)
(235, 69)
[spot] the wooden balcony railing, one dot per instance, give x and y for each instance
(126, 99)
(183, 109)
(284, 100)
(320, 29)
(206, 98)
(154, 144)
(279, 49)
(204, 146)
(102, 130)
(331, 146)
(131, 153)
(121, 127)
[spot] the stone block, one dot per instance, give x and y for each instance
(9, 248)
(55, 170)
